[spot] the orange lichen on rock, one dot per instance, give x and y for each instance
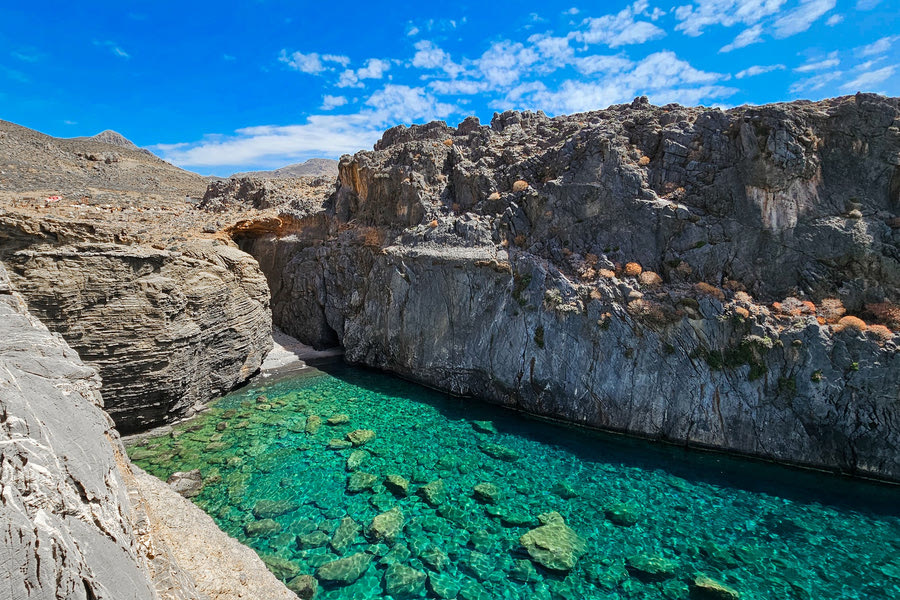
(880, 332)
(633, 269)
(852, 323)
(650, 278)
(520, 186)
(606, 273)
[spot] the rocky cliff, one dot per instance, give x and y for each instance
(684, 274)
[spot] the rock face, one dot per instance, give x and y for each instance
(168, 329)
(68, 528)
(618, 268)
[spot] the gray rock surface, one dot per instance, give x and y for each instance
(314, 167)
(167, 328)
(490, 261)
(68, 528)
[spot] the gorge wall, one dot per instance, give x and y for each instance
(670, 272)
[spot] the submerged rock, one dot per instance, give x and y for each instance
(500, 452)
(344, 571)
(313, 424)
(554, 544)
(356, 459)
(484, 427)
(360, 481)
(386, 526)
(397, 485)
(267, 509)
(340, 419)
(338, 444)
(187, 483)
(435, 559)
(401, 581)
(442, 585)
(280, 567)
(621, 514)
(360, 437)
(651, 568)
(263, 528)
(487, 492)
(305, 586)
(706, 588)
(434, 492)
(344, 535)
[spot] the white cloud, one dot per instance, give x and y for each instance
(348, 78)
(620, 29)
(694, 18)
(311, 63)
(802, 17)
(878, 47)
(814, 83)
(596, 63)
(571, 11)
(401, 103)
(335, 58)
(867, 4)
(834, 20)
(114, 48)
(504, 62)
(329, 102)
(662, 76)
(553, 49)
(749, 36)
(413, 31)
(864, 82)
(458, 87)
(429, 56)
(830, 61)
(273, 146)
(758, 70)
(375, 69)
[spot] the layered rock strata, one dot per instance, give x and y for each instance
(661, 271)
(168, 327)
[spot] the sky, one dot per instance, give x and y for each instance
(219, 87)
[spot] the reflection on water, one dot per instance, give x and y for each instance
(380, 488)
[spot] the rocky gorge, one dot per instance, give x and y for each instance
(719, 279)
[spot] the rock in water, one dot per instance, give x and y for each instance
(651, 568)
(305, 586)
(401, 581)
(344, 571)
(361, 437)
(359, 481)
(434, 493)
(313, 424)
(356, 459)
(500, 452)
(267, 509)
(263, 528)
(386, 526)
(487, 493)
(399, 486)
(186, 483)
(344, 535)
(554, 545)
(706, 588)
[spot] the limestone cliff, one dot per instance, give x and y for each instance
(677, 273)
(168, 328)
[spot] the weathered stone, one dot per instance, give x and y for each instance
(344, 535)
(442, 585)
(386, 526)
(434, 493)
(554, 545)
(267, 509)
(487, 492)
(397, 485)
(500, 452)
(313, 424)
(360, 437)
(262, 528)
(435, 559)
(706, 588)
(305, 586)
(344, 571)
(314, 539)
(401, 581)
(338, 444)
(340, 419)
(280, 567)
(621, 514)
(187, 483)
(651, 568)
(360, 481)
(356, 459)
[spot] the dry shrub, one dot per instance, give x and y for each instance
(832, 309)
(650, 278)
(591, 259)
(885, 312)
(505, 243)
(734, 286)
(520, 186)
(743, 297)
(791, 306)
(821, 320)
(809, 307)
(742, 312)
(433, 224)
(852, 323)
(596, 294)
(633, 269)
(455, 207)
(880, 332)
(710, 290)
(644, 161)
(606, 273)
(519, 240)
(448, 142)
(653, 313)
(683, 269)
(494, 196)
(371, 237)
(588, 274)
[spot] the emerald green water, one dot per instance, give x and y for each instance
(653, 518)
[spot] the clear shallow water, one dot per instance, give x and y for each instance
(653, 518)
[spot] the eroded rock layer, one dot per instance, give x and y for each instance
(168, 328)
(671, 272)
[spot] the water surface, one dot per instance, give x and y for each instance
(655, 520)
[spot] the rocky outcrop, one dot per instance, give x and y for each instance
(168, 328)
(618, 269)
(68, 527)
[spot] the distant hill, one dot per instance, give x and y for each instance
(111, 137)
(316, 167)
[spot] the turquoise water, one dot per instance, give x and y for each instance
(641, 520)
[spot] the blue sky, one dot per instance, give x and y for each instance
(218, 87)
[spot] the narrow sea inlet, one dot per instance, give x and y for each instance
(379, 488)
